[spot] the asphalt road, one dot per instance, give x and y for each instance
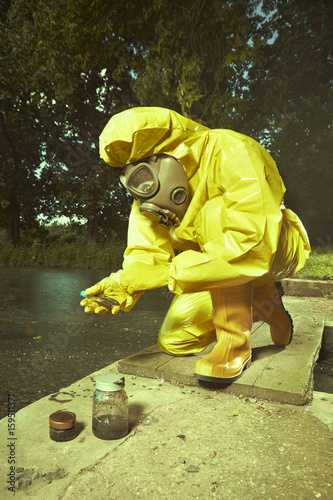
(48, 342)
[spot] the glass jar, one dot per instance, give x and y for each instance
(62, 426)
(110, 407)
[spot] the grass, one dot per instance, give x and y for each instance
(72, 255)
(78, 255)
(319, 266)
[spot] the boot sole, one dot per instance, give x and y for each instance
(220, 380)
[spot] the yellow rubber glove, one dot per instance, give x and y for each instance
(110, 287)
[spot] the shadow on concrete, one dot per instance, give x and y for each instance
(80, 426)
(135, 411)
(266, 351)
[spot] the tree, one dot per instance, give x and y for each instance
(291, 106)
(262, 68)
(21, 129)
(181, 62)
(198, 60)
(89, 49)
(89, 60)
(55, 100)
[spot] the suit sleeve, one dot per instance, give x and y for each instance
(148, 254)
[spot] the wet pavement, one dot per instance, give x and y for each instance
(48, 342)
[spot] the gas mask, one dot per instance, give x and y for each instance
(160, 184)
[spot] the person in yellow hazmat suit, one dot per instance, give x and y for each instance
(208, 221)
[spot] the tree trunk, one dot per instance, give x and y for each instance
(12, 221)
(12, 206)
(92, 230)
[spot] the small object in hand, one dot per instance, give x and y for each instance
(101, 299)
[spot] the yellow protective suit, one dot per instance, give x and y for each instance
(235, 230)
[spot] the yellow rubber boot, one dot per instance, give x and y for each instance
(268, 307)
(188, 327)
(232, 316)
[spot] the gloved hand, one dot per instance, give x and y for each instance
(111, 288)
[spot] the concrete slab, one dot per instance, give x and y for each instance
(42, 465)
(276, 373)
(184, 443)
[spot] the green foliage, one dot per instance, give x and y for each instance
(64, 248)
(292, 107)
(56, 97)
(319, 266)
(88, 47)
(65, 255)
(21, 122)
(197, 61)
(262, 68)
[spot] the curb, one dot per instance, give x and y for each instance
(308, 288)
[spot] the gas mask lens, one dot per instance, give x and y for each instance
(142, 181)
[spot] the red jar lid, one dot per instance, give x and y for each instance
(62, 419)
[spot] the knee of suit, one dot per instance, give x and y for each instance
(186, 341)
(168, 347)
(188, 326)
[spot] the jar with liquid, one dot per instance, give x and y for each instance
(110, 407)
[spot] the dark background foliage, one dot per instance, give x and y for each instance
(263, 68)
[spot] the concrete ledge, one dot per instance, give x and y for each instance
(276, 373)
(174, 431)
(308, 288)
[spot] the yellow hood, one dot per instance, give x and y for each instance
(140, 132)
